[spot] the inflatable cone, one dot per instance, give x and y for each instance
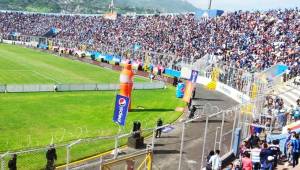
(126, 82)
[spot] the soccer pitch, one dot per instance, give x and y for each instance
(30, 120)
(20, 65)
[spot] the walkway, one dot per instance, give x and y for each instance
(167, 148)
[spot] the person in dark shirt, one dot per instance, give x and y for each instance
(194, 93)
(295, 143)
(12, 164)
(266, 164)
(192, 112)
(51, 157)
(189, 104)
(253, 141)
(275, 150)
(158, 131)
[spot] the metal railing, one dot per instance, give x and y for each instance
(73, 87)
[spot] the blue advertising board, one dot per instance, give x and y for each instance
(172, 73)
(121, 109)
(194, 75)
(275, 71)
(180, 90)
(208, 13)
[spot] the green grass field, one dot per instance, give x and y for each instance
(30, 120)
(26, 66)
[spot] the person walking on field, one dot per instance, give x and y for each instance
(158, 130)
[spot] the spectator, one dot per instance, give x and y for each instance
(265, 158)
(246, 162)
(296, 114)
(295, 143)
(275, 151)
(216, 161)
(159, 129)
(244, 147)
(240, 41)
(12, 164)
(230, 167)
(255, 157)
(51, 158)
(208, 164)
(254, 139)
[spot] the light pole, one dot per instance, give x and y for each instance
(111, 6)
(209, 5)
(209, 8)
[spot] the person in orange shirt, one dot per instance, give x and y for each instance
(247, 162)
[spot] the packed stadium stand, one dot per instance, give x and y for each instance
(248, 40)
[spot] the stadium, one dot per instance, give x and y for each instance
(179, 88)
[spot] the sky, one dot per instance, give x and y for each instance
(233, 5)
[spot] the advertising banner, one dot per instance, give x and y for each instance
(275, 71)
(194, 75)
(121, 109)
(188, 91)
(180, 90)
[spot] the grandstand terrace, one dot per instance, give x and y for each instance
(250, 40)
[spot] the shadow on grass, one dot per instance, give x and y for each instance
(151, 110)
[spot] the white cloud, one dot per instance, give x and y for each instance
(246, 4)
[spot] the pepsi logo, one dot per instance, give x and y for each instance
(122, 101)
(182, 89)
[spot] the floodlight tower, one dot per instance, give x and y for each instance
(209, 5)
(111, 6)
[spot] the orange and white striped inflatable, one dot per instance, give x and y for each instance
(126, 82)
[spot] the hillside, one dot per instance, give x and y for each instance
(161, 5)
(96, 6)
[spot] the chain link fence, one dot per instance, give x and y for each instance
(217, 127)
(216, 131)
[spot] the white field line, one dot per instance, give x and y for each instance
(45, 76)
(14, 70)
(35, 72)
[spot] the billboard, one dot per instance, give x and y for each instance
(193, 77)
(121, 109)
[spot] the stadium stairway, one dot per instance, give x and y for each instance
(289, 92)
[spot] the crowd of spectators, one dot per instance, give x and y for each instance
(256, 152)
(241, 42)
(260, 151)
(277, 115)
(244, 40)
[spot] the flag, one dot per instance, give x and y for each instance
(194, 75)
(188, 91)
(121, 109)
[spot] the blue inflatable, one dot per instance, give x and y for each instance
(180, 90)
